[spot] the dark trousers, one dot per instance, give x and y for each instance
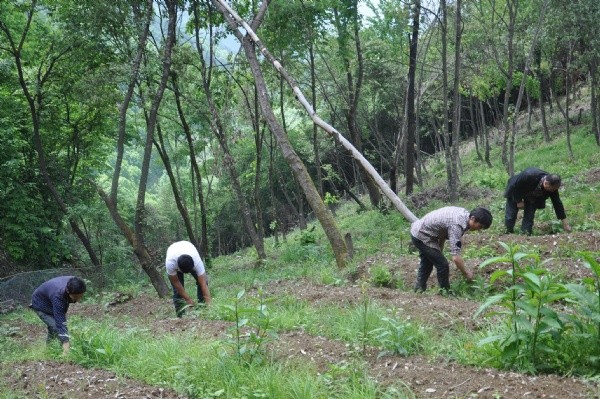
(431, 257)
(510, 216)
(50, 323)
(178, 300)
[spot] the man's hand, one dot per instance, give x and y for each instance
(469, 275)
(521, 204)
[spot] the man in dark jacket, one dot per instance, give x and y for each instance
(529, 190)
(51, 302)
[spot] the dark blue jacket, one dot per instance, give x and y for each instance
(524, 183)
(51, 298)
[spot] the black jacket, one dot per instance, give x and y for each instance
(519, 186)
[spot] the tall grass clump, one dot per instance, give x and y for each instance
(101, 345)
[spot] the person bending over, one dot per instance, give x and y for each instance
(430, 233)
(182, 258)
(529, 190)
(51, 302)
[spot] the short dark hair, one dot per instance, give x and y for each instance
(553, 180)
(75, 285)
(482, 216)
(185, 263)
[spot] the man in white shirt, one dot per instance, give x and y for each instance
(183, 257)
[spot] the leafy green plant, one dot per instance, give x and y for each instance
(364, 328)
(531, 324)
(99, 345)
(381, 276)
(587, 300)
(252, 328)
(396, 337)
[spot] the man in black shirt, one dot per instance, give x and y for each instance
(529, 190)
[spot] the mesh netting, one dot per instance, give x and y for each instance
(17, 289)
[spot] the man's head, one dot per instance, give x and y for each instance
(480, 218)
(551, 183)
(185, 263)
(75, 289)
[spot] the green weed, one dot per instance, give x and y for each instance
(532, 325)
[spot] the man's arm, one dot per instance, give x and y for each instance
(179, 288)
(460, 264)
(559, 210)
(203, 281)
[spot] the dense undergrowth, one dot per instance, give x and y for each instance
(539, 321)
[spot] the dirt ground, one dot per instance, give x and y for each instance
(426, 377)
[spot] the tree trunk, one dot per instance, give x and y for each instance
(179, 201)
(229, 162)
(485, 134)
(410, 101)
(512, 6)
(456, 116)
(511, 162)
(540, 76)
(196, 175)
(593, 65)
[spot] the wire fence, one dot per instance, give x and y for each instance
(17, 289)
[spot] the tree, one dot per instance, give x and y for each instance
(234, 20)
(33, 88)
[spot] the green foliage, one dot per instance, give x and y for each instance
(252, 329)
(381, 276)
(586, 299)
(532, 325)
(397, 337)
(100, 345)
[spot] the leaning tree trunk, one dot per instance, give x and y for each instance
(236, 22)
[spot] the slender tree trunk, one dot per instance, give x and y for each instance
(511, 161)
(228, 160)
(593, 65)
(567, 105)
(196, 175)
(179, 200)
(450, 165)
(474, 127)
(140, 212)
(486, 136)
(457, 104)
(542, 80)
(410, 100)
(313, 90)
(354, 86)
(512, 6)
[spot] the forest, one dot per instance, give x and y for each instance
(293, 142)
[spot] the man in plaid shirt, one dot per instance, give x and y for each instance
(430, 233)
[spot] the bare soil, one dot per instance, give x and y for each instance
(426, 377)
